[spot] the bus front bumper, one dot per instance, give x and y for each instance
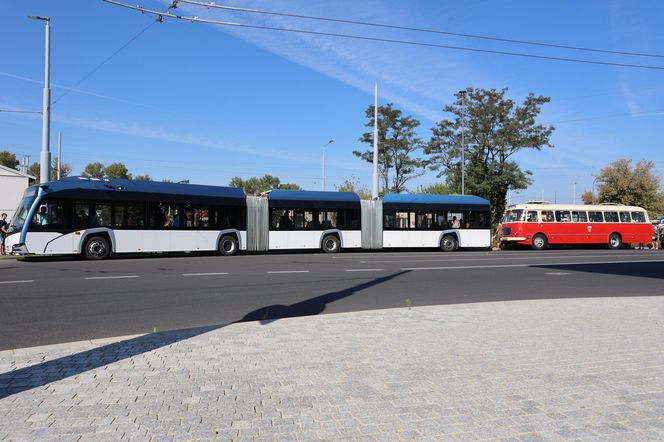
(19, 249)
(512, 238)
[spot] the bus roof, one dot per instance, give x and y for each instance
(313, 199)
(612, 207)
(139, 190)
(420, 201)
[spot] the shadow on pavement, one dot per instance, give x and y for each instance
(637, 269)
(44, 373)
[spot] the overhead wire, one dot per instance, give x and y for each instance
(162, 15)
(19, 111)
(415, 29)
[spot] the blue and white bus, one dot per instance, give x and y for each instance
(96, 218)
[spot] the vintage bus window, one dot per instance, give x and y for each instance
(531, 217)
(595, 217)
(638, 217)
(514, 216)
(625, 218)
(547, 216)
(563, 216)
(118, 216)
(579, 217)
(611, 217)
(101, 215)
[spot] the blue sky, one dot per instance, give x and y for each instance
(206, 103)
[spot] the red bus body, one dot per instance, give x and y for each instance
(540, 224)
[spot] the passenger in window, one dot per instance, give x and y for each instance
(42, 216)
(176, 219)
(314, 224)
(82, 218)
(456, 224)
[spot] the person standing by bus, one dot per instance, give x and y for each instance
(4, 230)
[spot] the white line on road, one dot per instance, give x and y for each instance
(558, 273)
(531, 265)
(364, 270)
(112, 277)
(289, 271)
(17, 282)
(531, 256)
(204, 274)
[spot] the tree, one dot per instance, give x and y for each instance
(94, 170)
(588, 198)
(8, 159)
(353, 184)
(619, 182)
(397, 143)
(434, 189)
(495, 130)
(117, 170)
(145, 177)
(258, 185)
(35, 170)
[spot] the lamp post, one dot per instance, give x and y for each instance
(324, 148)
(574, 193)
(45, 155)
(463, 141)
(594, 180)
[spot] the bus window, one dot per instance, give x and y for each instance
(514, 216)
(423, 220)
(532, 216)
(403, 220)
(638, 217)
(563, 216)
(611, 217)
(595, 217)
(81, 214)
(101, 215)
(329, 220)
(390, 219)
(625, 218)
(201, 217)
(547, 216)
(118, 216)
(579, 217)
(49, 214)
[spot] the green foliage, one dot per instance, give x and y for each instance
(145, 177)
(495, 130)
(434, 189)
(8, 159)
(353, 184)
(588, 198)
(397, 144)
(35, 170)
(258, 185)
(619, 182)
(117, 170)
(94, 170)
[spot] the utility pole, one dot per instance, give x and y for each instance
(59, 152)
(324, 147)
(45, 155)
(374, 180)
(463, 142)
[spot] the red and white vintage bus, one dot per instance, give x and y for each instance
(538, 224)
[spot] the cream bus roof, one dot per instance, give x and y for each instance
(578, 207)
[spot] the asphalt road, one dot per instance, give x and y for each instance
(52, 301)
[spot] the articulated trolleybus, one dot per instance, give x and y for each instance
(96, 218)
(538, 224)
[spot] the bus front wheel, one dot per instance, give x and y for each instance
(615, 241)
(331, 244)
(228, 246)
(539, 242)
(449, 243)
(97, 247)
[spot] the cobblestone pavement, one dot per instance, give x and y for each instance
(590, 369)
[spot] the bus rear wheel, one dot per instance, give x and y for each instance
(331, 244)
(97, 247)
(228, 246)
(449, 243)
(615, 241)
(539, 242)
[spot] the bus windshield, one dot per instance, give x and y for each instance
(512, 216)
(23, 208)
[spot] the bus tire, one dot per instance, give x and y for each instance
(97, 247)
(331, 244)
(615, 241)
(539, 242)
(449, 243)
(228, 245)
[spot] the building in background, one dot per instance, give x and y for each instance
(12, 185)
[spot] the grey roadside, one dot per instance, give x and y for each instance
(586, 369)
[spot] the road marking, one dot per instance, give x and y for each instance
(17, 282)
(289, 271)
(531, 256)
(204, 274)
(364, 270)
(532, 265)
(112, 277)
(557, 273)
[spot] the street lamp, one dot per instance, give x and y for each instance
(574, 193)
(463, 142)
(594, 180)
(45, 155)
(324, 148)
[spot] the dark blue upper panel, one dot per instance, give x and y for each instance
(414, 201)
(313, 199)
(144, 190)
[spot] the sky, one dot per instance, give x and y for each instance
(206, 102)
